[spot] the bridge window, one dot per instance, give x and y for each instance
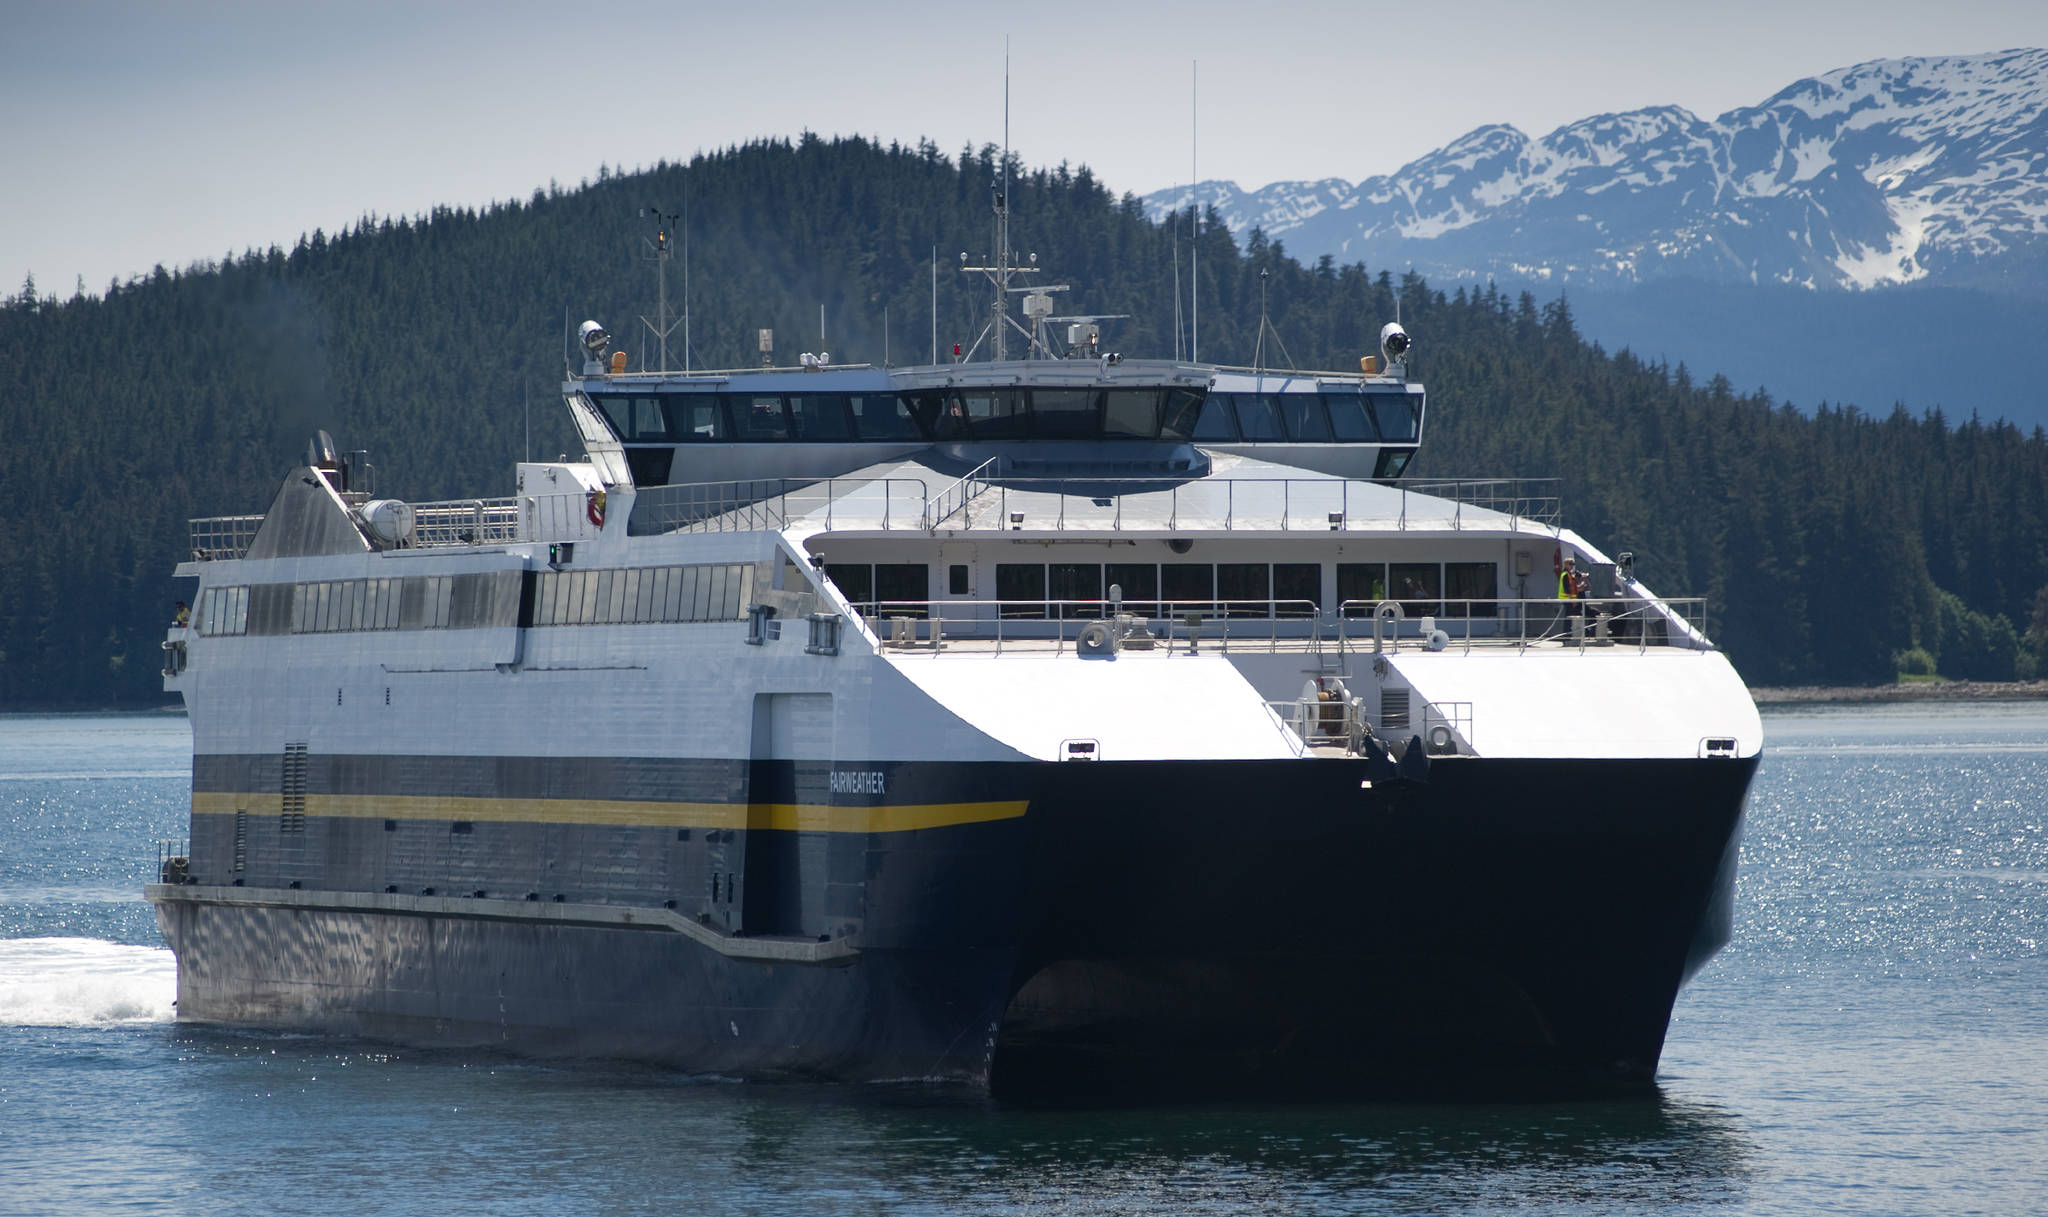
(884, 416)
(759, 417)
(1131, 413)
(1064, 414)
(1257, 420)
(698, 417)
(1217, 422)
(819, 418)
(1177, 419)
(1349, 421)
(1400, 419)
(1303, 413)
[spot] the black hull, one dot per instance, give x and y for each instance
(1176, 927)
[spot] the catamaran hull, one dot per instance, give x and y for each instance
(1141, 926)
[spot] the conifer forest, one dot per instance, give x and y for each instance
(1839, 543)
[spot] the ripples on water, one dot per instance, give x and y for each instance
(1873, 1040)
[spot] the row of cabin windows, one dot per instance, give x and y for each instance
(642, 594)
(1310, 418)
(496, 598)
(1011, 413)
(419, 602)
(1035, 590)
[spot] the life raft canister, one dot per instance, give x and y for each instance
(593, 506)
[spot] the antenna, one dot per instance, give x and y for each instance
(935, 305)
(663, 221)
(686, 271)
(1179, 335)
(999, 275)
(1194, 189)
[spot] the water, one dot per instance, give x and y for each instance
(1874, 1040)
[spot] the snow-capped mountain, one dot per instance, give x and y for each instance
(1930, 170)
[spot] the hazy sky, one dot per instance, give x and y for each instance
(135, 134)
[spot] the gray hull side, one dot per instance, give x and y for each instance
(577, 990)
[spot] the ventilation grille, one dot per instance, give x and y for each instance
(293, 818)
(1393, 710)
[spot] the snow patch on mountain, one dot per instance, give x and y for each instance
(1894, 171)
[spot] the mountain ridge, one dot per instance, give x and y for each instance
(1930, 170)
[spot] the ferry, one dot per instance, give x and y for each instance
(1038, 722)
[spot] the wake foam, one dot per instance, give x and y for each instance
(84, 982)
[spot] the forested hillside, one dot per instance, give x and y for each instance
(1832, 546)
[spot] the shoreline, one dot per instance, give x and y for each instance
(1942, 690)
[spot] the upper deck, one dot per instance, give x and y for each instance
(673, 428)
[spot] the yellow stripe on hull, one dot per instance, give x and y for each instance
(797, 817)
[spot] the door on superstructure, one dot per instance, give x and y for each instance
(787, 853)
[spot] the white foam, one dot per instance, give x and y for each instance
(84, 982)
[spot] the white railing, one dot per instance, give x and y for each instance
(1278, 503)
(218, 538)
(1276, 625)
(956, 497)
(865, 504)
(1629, 621)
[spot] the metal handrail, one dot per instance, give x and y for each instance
(1641, 622)
(760, 504)
(1285, 624)
(1513, 497)
(937, 512)
(220, 538)
(1040, 619)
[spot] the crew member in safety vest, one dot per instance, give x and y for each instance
(1571, 585)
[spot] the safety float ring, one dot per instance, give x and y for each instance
(593, 507)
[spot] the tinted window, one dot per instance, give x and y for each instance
(1244, 581)
(1257, 419)
(1365, 582)
(698, 416)
(1139, 582)
(1076, 581)
(1131, 412)
(1177, 420)
(1348, 420)
(994, 413)
(883, 416)
(1063, 413)
(856, 581)
(648, 422)
(1303, 413)
(1187, 587)
(903, 581)
(759, 418)
(1472, 582)
(619, 410)
(1398, 417)
(1418, 585)
(819, 418)
(1021, 588)
(1217, 423)
(1294, 582)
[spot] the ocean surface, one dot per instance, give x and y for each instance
(1874, 1040)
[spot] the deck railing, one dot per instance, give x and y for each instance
(767, 503)
(975, 502)
(1264, 504)
(1039, 623)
